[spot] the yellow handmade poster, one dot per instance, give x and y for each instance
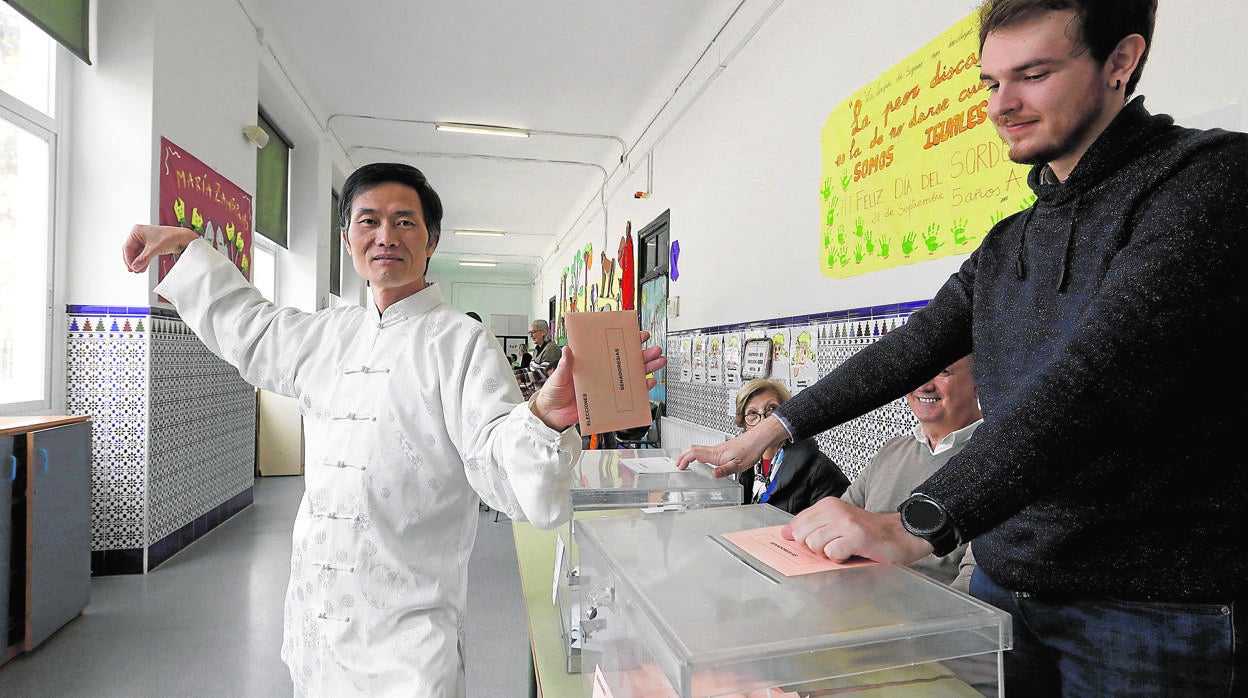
(913, 170)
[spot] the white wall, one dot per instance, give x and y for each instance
(740, 169)
(205, 91)
(111, 156)
(484, 291)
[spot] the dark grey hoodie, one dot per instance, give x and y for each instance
(1104, 323)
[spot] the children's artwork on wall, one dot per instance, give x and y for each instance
(685, 357)
(699, 359)
(715, 360)
(582, 287)
(654, 320)
(780, 356)
(732, 359)
(913, 170)
(561, 332)
(804, 367)
(193, 195)
(756, 358)
(624, 257)
(608, 284)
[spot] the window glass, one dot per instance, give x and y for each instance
(27, 156)
(24, 226)
(26, 60)
(264, 269)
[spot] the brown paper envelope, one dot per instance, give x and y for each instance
(608, 370)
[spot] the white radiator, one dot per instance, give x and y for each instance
(677, 433)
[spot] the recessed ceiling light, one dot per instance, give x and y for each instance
(482, 128)
(483, 232)
(477, 263)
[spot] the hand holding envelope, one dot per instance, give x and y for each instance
(559, 404)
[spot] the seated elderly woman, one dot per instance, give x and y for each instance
(793, 476)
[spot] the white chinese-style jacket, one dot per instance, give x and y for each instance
(411, 416)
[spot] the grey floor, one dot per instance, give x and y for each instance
(208, 622)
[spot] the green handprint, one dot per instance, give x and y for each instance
(959, 230)
(885, 243)
(870, 243)
(1027, 202)
(907, 243)
(843, 254)
(858, 254)
(830, 219)
(858, 227)
(826, 189)
(840, 235)
(930, 238)
(996, 218)
(845, 180)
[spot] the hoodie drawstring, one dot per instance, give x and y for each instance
(1020, 263)
(1020, 266)
(1064, 273)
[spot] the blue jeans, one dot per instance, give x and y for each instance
(1106, 647)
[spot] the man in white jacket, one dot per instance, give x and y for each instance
(412, 415)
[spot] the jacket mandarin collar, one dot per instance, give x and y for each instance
(416, 304)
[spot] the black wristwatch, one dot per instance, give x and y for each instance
(926, 518)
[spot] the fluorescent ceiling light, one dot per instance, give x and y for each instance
(477, 263)
(484, 232)
(482, 128)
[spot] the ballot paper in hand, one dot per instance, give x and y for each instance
(608, 371)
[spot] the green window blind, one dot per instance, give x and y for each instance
(67, 21)
(272, 204)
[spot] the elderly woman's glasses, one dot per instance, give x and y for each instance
(753, 418)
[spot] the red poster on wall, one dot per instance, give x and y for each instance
(195, 196)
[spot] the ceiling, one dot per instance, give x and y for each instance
(592, 80)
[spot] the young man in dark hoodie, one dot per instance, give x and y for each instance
(1106, 490)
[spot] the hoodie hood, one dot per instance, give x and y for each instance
(1120, 142)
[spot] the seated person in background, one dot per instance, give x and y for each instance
(947, 408)
(790, 477)
(547, 352)
(525, 357)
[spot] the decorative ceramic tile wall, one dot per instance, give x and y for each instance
(106, 377)
(173, 428)
(203, 418)
(204, 428)
(841, 335)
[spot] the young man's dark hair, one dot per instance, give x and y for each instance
(369, 176)
(1101, 23)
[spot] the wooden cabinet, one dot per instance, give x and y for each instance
(8, 474)
(45, 463)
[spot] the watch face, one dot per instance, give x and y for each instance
(923, 515)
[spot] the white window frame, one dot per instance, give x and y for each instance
(47, 127)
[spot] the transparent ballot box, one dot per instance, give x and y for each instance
(670, 608)
(615, 482)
